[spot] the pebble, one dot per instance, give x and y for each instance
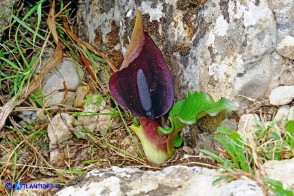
(58, 131)
(282, 95)
(286, 47)
(81, 93)
(67, 74)
(28, 116)
(88, 122)
(282, 113)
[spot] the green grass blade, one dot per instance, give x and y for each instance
(213, 155)
(26, 26)
(226, 143)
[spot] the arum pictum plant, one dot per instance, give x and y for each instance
(144, 85)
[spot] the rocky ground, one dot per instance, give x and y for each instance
(239, 50)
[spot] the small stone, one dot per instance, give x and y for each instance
(96, 122)
(67, 74)
(247, 124)
(28, 116)
(286, 47)
(188, 150)
(81, 93)
(88, 122)
(282, 171)
(282, 95)
(56, 155)
(282, 113)
(58, 130)
(291, 113)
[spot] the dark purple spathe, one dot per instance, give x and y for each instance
(145, 86)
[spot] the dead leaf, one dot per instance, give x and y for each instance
(91, 48)
(89, 68)
(51, 23)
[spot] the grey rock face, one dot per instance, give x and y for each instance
(283, 10)
(225, 48)
(174, 180)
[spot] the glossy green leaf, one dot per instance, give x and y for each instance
(178, 140)
(195, 106)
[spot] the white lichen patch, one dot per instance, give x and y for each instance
(255, 14)
(227, 68)
(239, 64)
(211, 39)
(155, 13)
(218, 71)
(236, 10)
(124, 172)
(221, 26)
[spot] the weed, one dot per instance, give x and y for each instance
(244, 155)
(277, 187)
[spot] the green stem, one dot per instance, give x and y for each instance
(170, 140)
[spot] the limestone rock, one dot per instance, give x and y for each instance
(281, 171)
(282, 95)
(94, 122)
(284, 15)
(58, 129)
(88, 122)
(67, 74)
(80, 96)
(291, 113)
(282, 113)
(174, 180)
(286, 47)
